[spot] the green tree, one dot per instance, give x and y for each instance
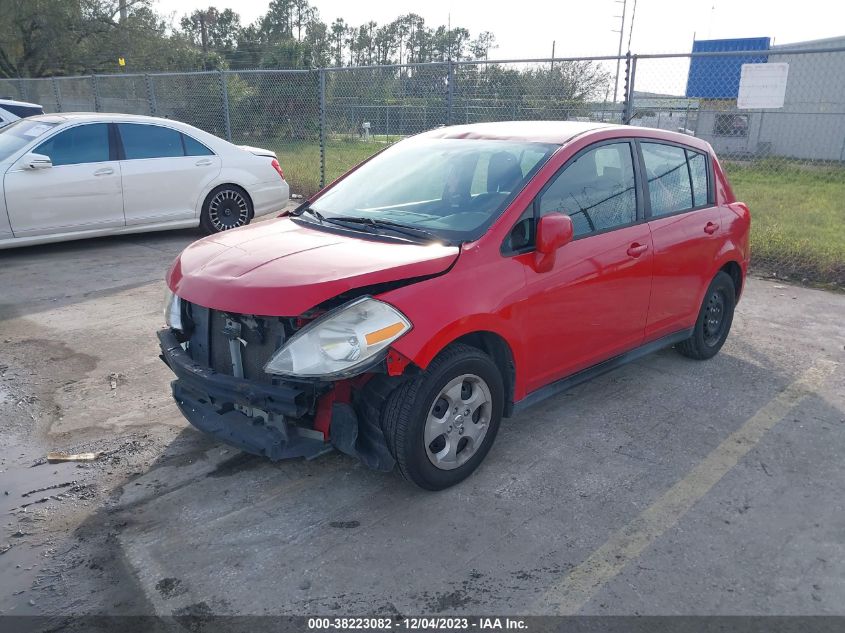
(42, 38)
(338, 40)
(213, 29)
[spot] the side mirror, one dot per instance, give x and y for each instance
(36, 161)
(553, 231)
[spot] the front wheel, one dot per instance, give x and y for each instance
(226, 207)
(440, 425)
(714, 320)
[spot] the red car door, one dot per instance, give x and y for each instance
(687, 233)
(594, 302)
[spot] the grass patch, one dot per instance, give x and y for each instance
(300, 160)
(797, 210)
(797, 218)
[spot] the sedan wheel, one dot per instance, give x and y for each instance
(228, 210)
(226, 207)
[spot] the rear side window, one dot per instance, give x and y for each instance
(194, 148)
(596, 190)
(80, 144)
(149, 141)
(677, 178)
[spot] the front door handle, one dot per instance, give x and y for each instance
(104, 171)
(710, 228)
(636, 249)
(203, 162)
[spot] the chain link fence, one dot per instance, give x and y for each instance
(786, 160)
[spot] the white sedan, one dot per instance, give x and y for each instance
(72, 176)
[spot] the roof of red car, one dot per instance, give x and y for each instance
(557, 132)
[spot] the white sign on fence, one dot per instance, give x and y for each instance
(762, 86)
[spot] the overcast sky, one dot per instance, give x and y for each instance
(526, 28)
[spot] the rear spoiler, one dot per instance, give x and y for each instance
(258, 151)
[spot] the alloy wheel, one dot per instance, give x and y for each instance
(228, 210)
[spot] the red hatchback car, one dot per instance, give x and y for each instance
(453, 279)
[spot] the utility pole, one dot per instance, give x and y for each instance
(621, 32)
(553, 54)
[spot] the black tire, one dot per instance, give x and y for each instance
(226, 207)
(714, 320)
(406, 414)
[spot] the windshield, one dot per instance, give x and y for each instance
(15, 136)
(451, 188)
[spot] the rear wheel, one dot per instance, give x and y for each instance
(714, 320)
(440, 425)
(226, 207)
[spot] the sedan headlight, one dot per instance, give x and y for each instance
(341, 342)
(173, 311)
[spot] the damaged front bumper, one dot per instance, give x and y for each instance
(272, 420)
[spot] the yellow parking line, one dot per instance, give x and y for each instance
(573, 591)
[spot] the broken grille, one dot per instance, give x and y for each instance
(215, 334)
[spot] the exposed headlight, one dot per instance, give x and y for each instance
(173, 311)
(341, 342)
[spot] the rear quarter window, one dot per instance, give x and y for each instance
(194, 148)
(698, 175)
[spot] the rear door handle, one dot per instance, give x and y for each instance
(710, 228)
(636, 249)
(203, 162)
(104, 171)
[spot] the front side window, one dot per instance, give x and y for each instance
(149, 141)
(78, 145)
(452, 188)
(597, 190)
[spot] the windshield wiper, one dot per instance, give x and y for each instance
(396, 227)
(302, 209)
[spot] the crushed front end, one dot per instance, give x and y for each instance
(223, 389)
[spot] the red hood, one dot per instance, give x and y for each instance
(281, 268)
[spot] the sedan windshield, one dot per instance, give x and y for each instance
(451, 189)
(15, 136)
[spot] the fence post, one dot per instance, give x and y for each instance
(630, 74)
(224, 92)
(96, 90)
(22, 89)
(57, 95)
(450, 92)
(321, 96)
(151, 95)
